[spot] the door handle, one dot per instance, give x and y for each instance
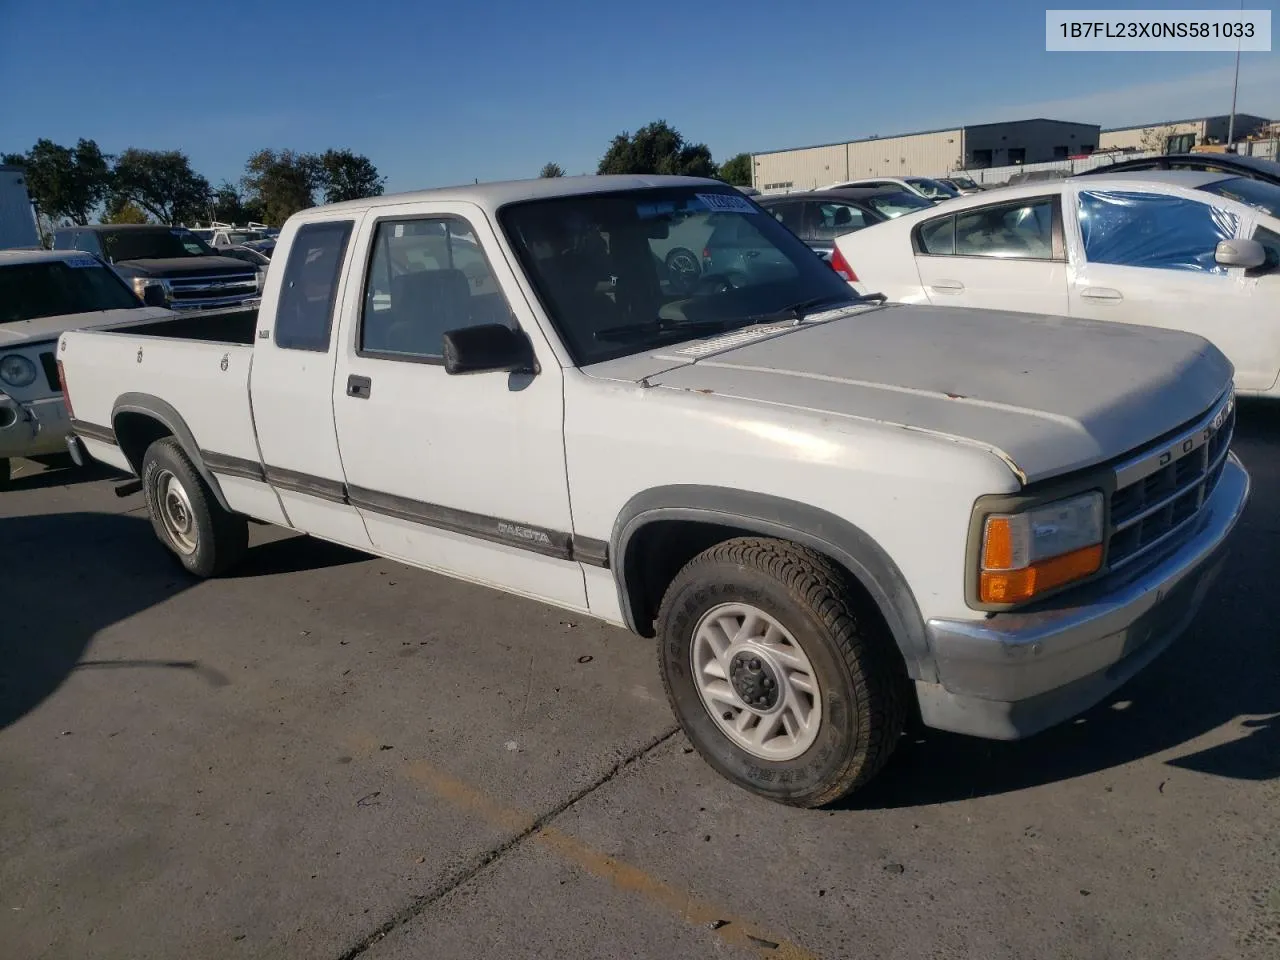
(1101, 293)
(947, 286)
(359, 387)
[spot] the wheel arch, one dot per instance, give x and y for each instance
(717, 513)
(139, 419)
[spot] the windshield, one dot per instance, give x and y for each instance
(1256, 193)
(964, 182)
(165, 244)
(932, 188)
(896, 204)
(624, 272)
(54, 288)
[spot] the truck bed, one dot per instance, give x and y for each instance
(235, 325)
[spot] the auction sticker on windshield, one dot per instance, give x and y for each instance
(726, 203)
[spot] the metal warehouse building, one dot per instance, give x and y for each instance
(1179, 136)
(928, 153)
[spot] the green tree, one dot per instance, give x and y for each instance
(66, 183)
(127, 212)
(228, 204)
(344, 175)
(281, 183)
(657, 148)
(551, 170)
(737, 170)
(160, 182)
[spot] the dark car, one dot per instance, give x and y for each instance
(820, 216)
(1254, 168)
(166, 266)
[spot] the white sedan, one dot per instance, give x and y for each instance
(1177, 249)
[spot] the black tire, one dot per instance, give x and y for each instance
(4, 473)
(217, 539)
(854, 659)
(683, 268)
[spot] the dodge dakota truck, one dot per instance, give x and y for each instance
(830, 511)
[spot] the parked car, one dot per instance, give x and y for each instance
(1254, 168)
(1174, 249)
(166, 266)
(962, 185)
(818, 217)
(831, 512)
(927, 187)
(43, 293)
(252, 256)
(1036, 176)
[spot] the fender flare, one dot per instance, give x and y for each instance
(164, 412)
(783, 519)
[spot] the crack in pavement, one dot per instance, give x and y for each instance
(526, 828)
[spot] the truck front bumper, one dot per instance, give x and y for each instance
(1012, 675)
(33, 428)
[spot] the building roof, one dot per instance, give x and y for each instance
(921, 133)
(1170, 123)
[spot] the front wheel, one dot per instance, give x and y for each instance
(206, 539)
(779, 682)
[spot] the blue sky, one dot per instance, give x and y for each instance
(438, 92)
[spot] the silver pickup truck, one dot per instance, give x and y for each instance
(829, 510)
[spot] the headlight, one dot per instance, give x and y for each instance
(1031, 552)
(159, 291)
(17, 371)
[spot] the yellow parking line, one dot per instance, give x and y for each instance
(623, 876)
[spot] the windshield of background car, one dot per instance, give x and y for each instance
(165, 244)
(54, 288)
(651, 260)
(896, 204)
(932, 188)
(1256, 193)
(964, 182)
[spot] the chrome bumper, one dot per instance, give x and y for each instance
(1013, 675)
(32, 428)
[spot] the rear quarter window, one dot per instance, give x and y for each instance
(309, 288)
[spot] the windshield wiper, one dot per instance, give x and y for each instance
(798, 311)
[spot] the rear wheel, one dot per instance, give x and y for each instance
(778, 680)
(206, 539)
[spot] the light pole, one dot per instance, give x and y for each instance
(1235, 87)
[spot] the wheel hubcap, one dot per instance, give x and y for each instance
(756, 682)
(176, 513)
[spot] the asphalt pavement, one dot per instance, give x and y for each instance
(329, 755)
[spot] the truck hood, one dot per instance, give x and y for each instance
(186, 267)
(1048, 395)
(49, 328)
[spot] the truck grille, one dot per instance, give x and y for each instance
(50, 364)
(1159, 493)
(196, 293)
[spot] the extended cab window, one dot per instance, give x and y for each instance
(304, 317)
(1153, 230)
(1022, 230)
(426, 277)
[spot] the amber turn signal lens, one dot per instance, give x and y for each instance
(997, 552)
(1016, 586)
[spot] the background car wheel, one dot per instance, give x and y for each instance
(206, 539)
(779, 679)
(683, 268)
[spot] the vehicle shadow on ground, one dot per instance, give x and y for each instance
(30, 475)
(70, 575)
(1225, 670)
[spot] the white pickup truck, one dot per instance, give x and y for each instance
(830, 511)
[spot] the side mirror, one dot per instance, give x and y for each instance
(488, 348)
(1240, 253)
